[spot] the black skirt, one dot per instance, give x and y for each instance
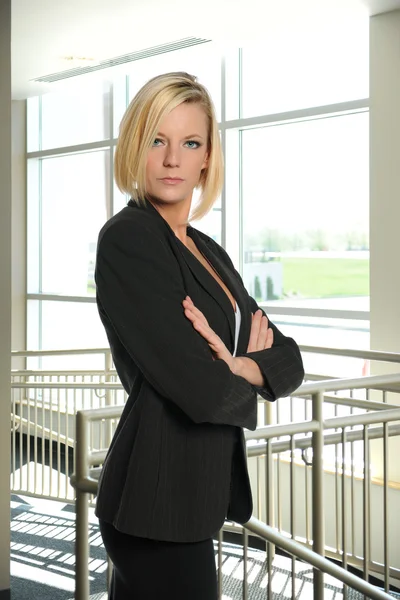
(150, 570)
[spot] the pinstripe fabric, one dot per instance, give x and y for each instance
(176, 467)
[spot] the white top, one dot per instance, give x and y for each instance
(238, 318)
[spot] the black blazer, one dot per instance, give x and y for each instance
(176, 467)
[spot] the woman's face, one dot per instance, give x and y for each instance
(178, 155)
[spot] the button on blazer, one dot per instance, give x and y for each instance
(176, 467)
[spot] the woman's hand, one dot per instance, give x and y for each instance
(261, 338)
(201, 325)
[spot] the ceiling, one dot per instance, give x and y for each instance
(45, 32)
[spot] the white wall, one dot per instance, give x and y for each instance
(333, 511)
(5, 296)
(385, 181)
(18, 291)
(385, 199)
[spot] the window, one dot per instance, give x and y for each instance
(72, 194)
(304, 69)
(305, 191)
(89, 108)
(294, 211)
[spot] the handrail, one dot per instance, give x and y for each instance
(57, 372)
(306, 389)
(33, 353)
(376, 355)
(316, 560)
(84, 482)
(97, 457)
(369, 418)
(334, 385)
(330, 439)
(67, 385)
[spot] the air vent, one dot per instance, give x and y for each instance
(120, 60)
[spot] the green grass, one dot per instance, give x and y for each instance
(321, 278)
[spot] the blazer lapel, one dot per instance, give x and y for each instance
(235, 287)
(208, 282)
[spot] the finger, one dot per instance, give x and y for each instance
(203, 328)
(217, 346)
(262, 333)
(195, 311)
(255, 327)
(193, 317)
(270, 338)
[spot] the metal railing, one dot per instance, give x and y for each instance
(45, 402)
(302, 435)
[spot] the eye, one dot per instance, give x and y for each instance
(157, 142)
(192, 144)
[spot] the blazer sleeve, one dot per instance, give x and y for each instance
(140, 288)
(281, 365)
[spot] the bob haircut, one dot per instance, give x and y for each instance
(138, 129)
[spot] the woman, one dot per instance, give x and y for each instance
(190, 346)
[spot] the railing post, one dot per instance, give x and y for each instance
(82, 511)
(318, 491)
(108, 396)
(269, 477)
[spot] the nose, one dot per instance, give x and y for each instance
(172, 156)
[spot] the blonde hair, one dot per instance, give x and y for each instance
(139, 127)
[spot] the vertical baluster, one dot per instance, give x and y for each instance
(352, 495)
(51, 407)
(43, 444)
(35, 441)
(279, 475)
(292, 511)
(337, 491)
(269, 492)
(307, 482)
(318, 492)
(13, 438)
(344, 510)
(386, 560)
(82, 549)
(24, 394)
(59, 442)
(245, 564)
(220, 543)
(366, 502)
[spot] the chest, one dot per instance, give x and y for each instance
(199, 256)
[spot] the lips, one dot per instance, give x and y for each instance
(171, 180)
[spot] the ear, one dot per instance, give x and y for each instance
(206, 161)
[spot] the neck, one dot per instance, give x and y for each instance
(176, 215)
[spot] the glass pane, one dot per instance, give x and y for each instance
(328, 333)
(232, 83)
(75, 194)
(203, 61)
(78, 115)
(32, 124)
(210, 225)
(66, 326)
(120, 199)
(305, 69)
(120, 101)
(33, 226)
(305, 212)
(33, 320)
